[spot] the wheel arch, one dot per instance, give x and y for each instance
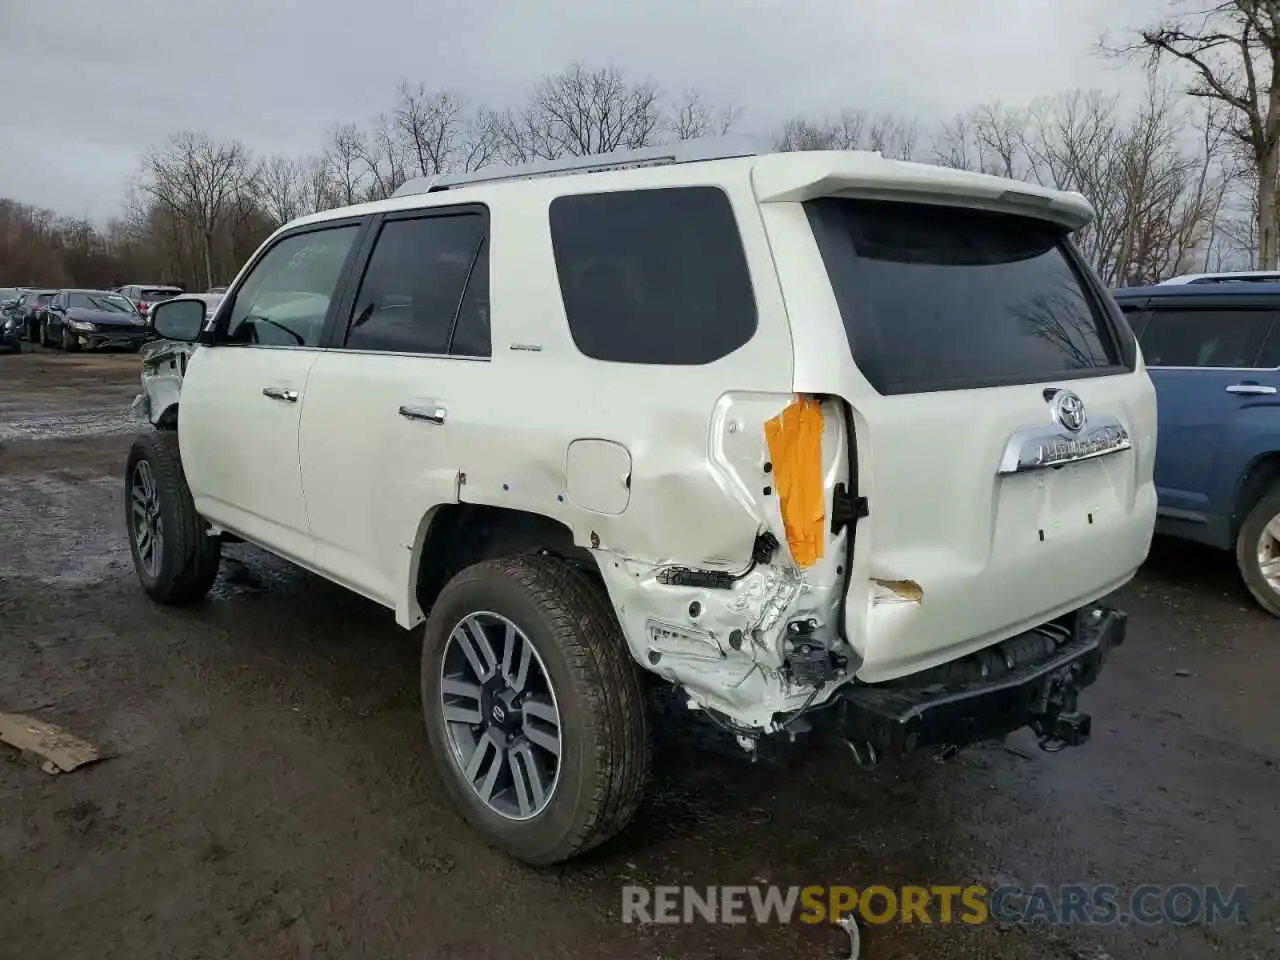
(453, 536)
(1262, 473)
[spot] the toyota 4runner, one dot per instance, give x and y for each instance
(823, 440)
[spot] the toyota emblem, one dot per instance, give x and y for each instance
(1067, 410)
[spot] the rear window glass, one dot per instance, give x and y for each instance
(159, 293)
(943, 298)
(653, 276)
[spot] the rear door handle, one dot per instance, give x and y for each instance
(1252, 389)
(281, 393)
(430, 412)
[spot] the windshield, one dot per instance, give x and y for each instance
(105, 302)
(945, 298)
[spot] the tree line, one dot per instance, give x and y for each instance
(1184, 178)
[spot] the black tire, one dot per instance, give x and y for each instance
(69, 344)
(31, 330)
(1264, 512)
(605, 761)
(44, 334)
(189, 557)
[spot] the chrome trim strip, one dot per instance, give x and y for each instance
(1037, 448)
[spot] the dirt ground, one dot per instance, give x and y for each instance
(267, 790)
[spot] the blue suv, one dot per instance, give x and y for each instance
(1213, 352)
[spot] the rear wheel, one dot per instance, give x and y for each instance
(1258, 551)
(175, 558)
(534, 708)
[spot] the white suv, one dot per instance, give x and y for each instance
(824, 440)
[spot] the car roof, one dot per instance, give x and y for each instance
(1228, 292)
(1230, 276)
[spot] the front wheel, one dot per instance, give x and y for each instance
(534, 707)
(1258, 551)
(69, 342)
(44, 334)
(175, 558)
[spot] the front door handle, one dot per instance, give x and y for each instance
(1252, 389)
(281, 393)
(430, 412)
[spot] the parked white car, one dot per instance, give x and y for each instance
(823, 440)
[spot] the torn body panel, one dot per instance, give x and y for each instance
(164, 363)
(758, 633)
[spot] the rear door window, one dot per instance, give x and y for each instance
(653, 276)
(1205, 338)
(414, 297)
(943, 298)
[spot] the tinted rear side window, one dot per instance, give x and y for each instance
(411, 299)
(653, 276)
(941, 298)
(1205, 338)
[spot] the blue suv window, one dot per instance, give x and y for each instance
(1182, 337)
(1269, 359)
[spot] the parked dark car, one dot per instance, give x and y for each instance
(1213, 352)
(31, 311)
(93, 319)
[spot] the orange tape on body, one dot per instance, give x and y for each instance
(795, 446)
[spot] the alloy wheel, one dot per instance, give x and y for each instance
(146, 523)
(1269, 553)
(500, 714)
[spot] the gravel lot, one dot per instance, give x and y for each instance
(267, 791)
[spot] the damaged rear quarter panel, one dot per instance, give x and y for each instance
(164, 363)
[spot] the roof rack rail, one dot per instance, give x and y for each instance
(684, 151)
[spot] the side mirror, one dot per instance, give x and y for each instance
(179, 320)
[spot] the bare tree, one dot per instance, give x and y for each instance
(318, 190)
(1233, 52)
(852, 130)
(692, 117)
(1156, 193)
(579, 112)
(342, 156)
(199, 181)
(440, 132)
(385, 158)
(281, 188)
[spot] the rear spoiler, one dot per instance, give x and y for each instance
(825, 173)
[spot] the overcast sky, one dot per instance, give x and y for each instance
(86, 86)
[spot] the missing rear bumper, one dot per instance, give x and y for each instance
(1031, 680)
